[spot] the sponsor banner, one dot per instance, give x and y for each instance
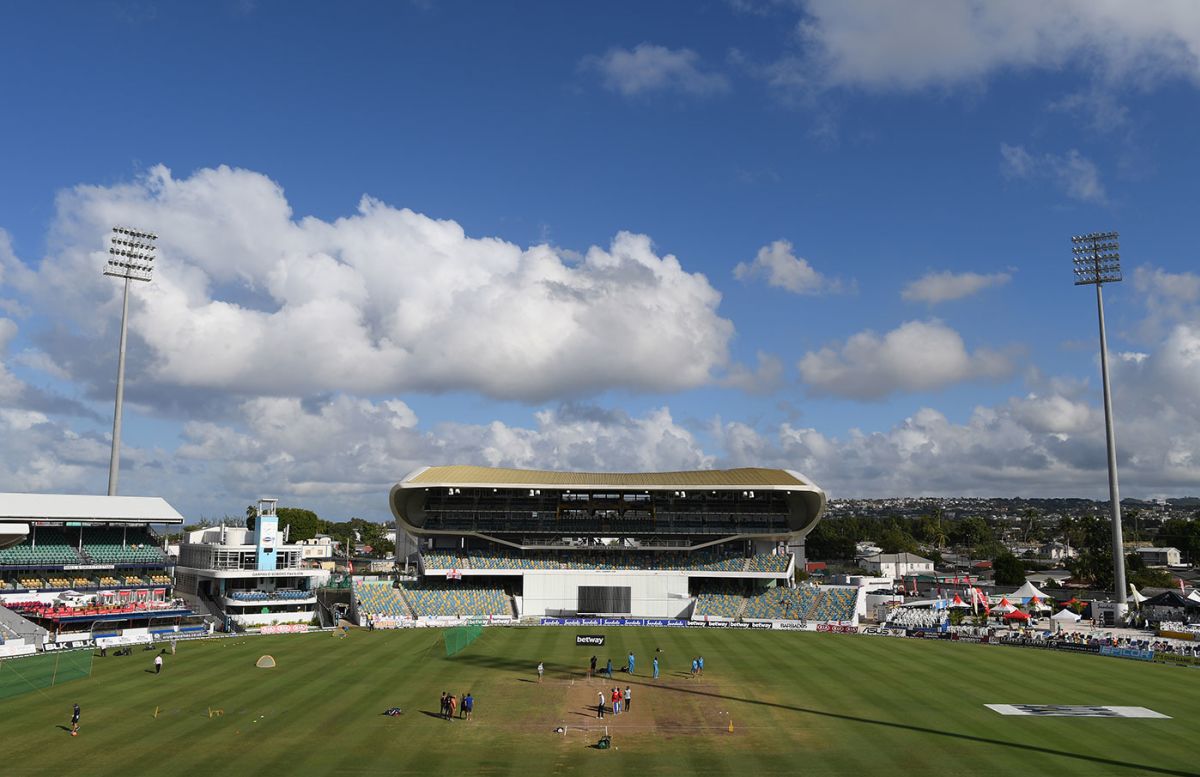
(739, 625)
(671, 622)
(1074, 711)
(980, 639)
(1070, 647)
(69, 644)
(1134, 653)
(795, 626)
(391, 623)
(285, 628)
(594, 640)
(762, 625)
(1176, 659)
(1184, 635)
(881, 631)
(88, 566)
(836, 628)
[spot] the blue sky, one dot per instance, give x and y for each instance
(868, 209)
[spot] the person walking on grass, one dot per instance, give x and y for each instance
(462, 707)
(655, 667)
(592, 668)
(700, 665)
(628, 698)
(695, 666)
(158, 664)
(629, 668)
(442, 708)
(608, 670)
(468, 705)
(541, 670)
(75, 720)
(600, 704)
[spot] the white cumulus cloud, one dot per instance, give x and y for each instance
(936, 287)
(916, 356)
(780, 266)
(945, 43)
(1076, 175)
(249, 298)
(648, 67)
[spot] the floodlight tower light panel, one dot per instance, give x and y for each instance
(1097, 258)
(131, 254)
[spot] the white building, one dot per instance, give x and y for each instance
(1160, 557)
(249, 576)
(1057, 551)
(896, 565)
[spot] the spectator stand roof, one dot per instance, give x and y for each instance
(85, 508)
(746, 477)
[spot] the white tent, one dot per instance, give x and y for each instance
(1136, 595)
(1194, 595)
(1028, 591)
(1065, 616)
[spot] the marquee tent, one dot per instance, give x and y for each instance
(1028, 591)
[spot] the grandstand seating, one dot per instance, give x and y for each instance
(108, 581)
(381, 600)
(719, 599)
(707, 560)
(836, 604)
(160, 580)
(117, 546)
(782, 603)
(262, 596)
(52, 549)
(432, 599)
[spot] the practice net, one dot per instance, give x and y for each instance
(459, 637)
(32, 673)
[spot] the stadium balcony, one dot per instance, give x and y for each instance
(266, 596)
(442, 600)
(708, 560)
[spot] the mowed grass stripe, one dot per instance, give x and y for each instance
(801, 702)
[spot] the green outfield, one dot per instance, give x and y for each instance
(799, 703)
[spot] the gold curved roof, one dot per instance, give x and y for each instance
(745, 477)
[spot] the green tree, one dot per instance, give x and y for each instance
(302, 524)
(1008, 570)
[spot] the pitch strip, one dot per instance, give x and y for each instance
(1074, 711)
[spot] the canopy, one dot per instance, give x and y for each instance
(1135, 595)
(1172, 599)
(1194, 595)
(1065, 616)
(1071, 601)
(1037, 605)
(1028, 591)
(1005, 606)
(1016, 615)
(957, 602)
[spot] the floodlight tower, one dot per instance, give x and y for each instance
(1097, 262)
(130, 256)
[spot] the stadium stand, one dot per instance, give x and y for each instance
(707, 560)
(720, 599)
(782, 603)
(51, 549)
(381, 600)
(837, 603)
(440, 599)
(112, 546)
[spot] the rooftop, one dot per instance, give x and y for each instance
(87, 508)
(747, 477)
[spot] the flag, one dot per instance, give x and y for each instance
(1180, 579)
